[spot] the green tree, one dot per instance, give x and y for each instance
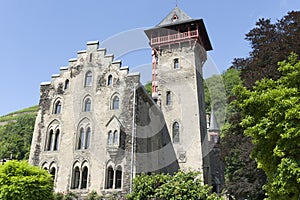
(148, 87)
(271, 117)
(182, 185)
(21, 181)
(15, 137)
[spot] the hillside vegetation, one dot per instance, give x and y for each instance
(16, 131)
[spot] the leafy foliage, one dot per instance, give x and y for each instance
(270, 44)
(15, 137)
(271, 117)
(148, 87)
(21, 181)
(183, 185)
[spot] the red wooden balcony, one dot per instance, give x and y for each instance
(174, 37)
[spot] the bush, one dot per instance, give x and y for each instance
(21, 181)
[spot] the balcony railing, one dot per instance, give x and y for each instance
(174, 37)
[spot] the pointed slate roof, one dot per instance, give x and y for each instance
(213, 121)
(175, 16)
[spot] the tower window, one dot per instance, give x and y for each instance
(57, 108)
(168, 98)
(115, 103)
(88, 79)
(91, 57)
(87, 105)
(175, 132)
(176, 63)
(67, 84)
(109, 80)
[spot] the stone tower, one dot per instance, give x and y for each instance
(179, 44)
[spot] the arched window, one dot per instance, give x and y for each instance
(81, 139)
(168, 98)
(109, 178)
(57, 109)
(76, 178)
(110, 138)
(109, 80)
(84, 178)
(175, 132)
(118, 181)
(115, 103)
(116, 137)
(88, 79)
(50, 140)
(67, 84)
(87, 138)
(53, 172)
(87, 105)
(56, 140)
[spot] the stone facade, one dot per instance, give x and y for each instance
(97, 127)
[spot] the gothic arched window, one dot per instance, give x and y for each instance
(56, 140)
(115, 103)
(88, 79)
(118, 181)
(84, 177)
(81, 139)
(50, 140)
(76, 178)
(87, 105)
(109, 178)
(116, 138)
(57, 109)
(175, 129)
(110, 138)
(87, 138)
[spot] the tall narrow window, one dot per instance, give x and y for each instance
(50, 140)
(53, 173)
(57, 108)
(110, 178)
(88, 79)
(118, 180)
(67, 84)
(81, 139)
(84, 178)
(87, 105)
(109, 80)
(87, 138)
(115, 104)
(176, 132)
(91, 57)
(168, 98)
(76, 178)
(110, 138)
(176, 63)
(56, 140)
(115, 141)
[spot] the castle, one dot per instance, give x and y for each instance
(97, 127)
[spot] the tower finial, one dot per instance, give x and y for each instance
(176, 3)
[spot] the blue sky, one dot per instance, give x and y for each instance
(38, 37)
